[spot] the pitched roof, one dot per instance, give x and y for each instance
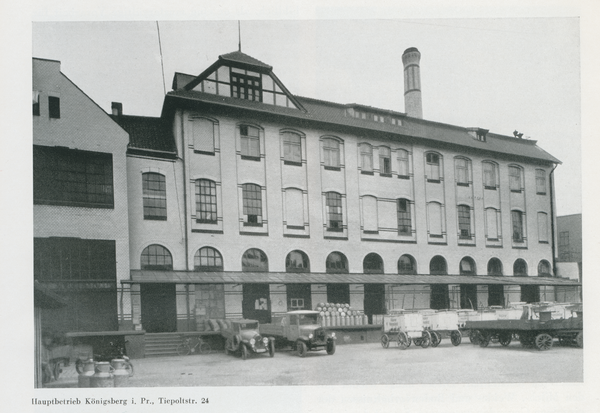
(240, 57)
(334, 115)
(148, 133)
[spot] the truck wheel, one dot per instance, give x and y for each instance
(455, 337)
(271, 348)
(385, 341)
(301, 349)
(244, 352)
(227, 345)
(505, 339)
(436, 339)
(330, 347)
(543, 341)
(484, 339)
(579, 339)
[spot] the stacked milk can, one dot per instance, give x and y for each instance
(337, 314)
(104, 374)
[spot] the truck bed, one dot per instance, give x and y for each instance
(271, 330)
(572, 323)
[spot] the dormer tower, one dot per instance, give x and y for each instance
(412, 83)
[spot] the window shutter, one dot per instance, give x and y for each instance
(203, 131)
(294, 212)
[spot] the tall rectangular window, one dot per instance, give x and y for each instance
(250, 141)
(462, 171)
(489, 175)
(206, 201)
(366, 157)
(385, 161)
(331, 153)
(514, 175)
(54, 107)
(252, 199)
(434, 214)
(71, 177)
(542, 219)
(334, 211)
(432, 167)
(155, 196)
(517, 224)
(245, 86)
(292, 147)
(491, 220)
(464, 221)
(540, 182)
(204, 135)
(403, 166)
(404, 219)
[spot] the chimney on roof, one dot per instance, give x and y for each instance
(117, 108)
(412, 83)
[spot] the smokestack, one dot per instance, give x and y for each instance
(117, 108)
(412, 83)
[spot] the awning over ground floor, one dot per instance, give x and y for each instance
(234, 277)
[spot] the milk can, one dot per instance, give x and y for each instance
(121, 374)
(83, 380)
(103, 376)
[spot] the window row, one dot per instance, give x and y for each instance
(155, 208)
(332, 157)
(208, 259)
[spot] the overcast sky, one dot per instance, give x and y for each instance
(497, 74)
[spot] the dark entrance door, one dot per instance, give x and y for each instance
(338, 293)
(530, 293)
(439, 296)
(298, 297)
(256, 303)
(159, 311)
(374, 300)
(468, 296)
(496, 295)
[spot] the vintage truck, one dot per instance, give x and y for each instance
(301, 330)
(243, 337)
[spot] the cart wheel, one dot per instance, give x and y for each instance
(79, 366)
(505, 338)
(403, 340)
(525, 339)
(417, 341)
(57, 369)
(579, 339)
(484, 339)
(409, 340)
(543, 341)
(244, 352)
(474, 337)
(436, 339)
(301, 349)
(385, 341)
(425, 339)
(455, 338)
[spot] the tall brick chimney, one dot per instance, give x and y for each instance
(412, 83)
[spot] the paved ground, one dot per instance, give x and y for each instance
(361, 364)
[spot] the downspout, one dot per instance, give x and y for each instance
(552, 220)
(185, 218)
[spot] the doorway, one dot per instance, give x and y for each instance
(468, 296)
(496, 294)
(374, 300)
(298, 297)
(159, 309)
(256, 302)
(338, 293)
(439, 297)
(530, 293)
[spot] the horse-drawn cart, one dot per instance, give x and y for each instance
(405, 328)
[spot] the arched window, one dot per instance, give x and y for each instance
(208, 259)
(494, 267)
(515, 175)
(490, 175)
(254, 260)
(297, 261)
(467, 266)
(544, 269)
(520, 267)
(437, 266)
(292, 147)
(206, 201)
(155, 196)
(156, 257)
(336, 263)
(432, 167)
(373, 264)
(385, 160)
(331, 152)
(366, 157)
(407, 265)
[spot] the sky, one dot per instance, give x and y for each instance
(498, 74)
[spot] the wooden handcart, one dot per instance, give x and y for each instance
(405, 328)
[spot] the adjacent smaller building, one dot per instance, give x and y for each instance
(569, 231)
